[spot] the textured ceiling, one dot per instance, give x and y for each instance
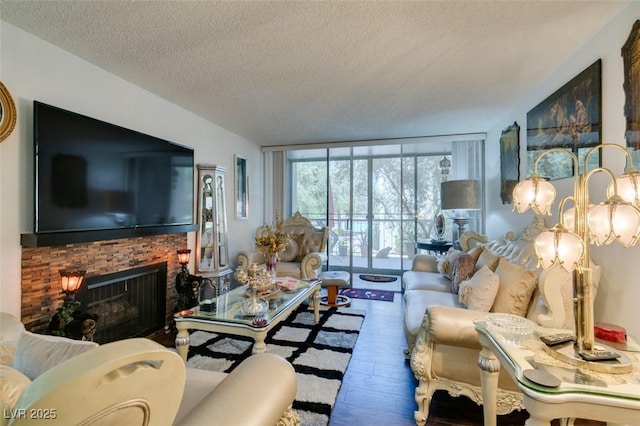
(300, 72)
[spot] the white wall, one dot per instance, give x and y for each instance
(619, 291)
(34, 69)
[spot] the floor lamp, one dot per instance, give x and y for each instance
(567, 243)
(460, 196)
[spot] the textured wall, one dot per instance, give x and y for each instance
(41, 293)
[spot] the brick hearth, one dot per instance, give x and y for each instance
(41, 294)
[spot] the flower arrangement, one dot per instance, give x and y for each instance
(272, 243)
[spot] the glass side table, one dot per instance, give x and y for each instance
(576, 393)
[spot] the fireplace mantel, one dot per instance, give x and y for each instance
(49, 239)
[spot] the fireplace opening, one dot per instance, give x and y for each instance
(129, 303)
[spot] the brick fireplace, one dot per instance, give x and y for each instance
(41, 294)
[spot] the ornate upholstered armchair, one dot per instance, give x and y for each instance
(304, 254)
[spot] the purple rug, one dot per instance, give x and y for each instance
(365, 293)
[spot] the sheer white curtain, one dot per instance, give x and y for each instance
(274, 186)
(467, 162)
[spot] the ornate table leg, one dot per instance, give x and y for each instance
(259, 346)
(489, 370)
(315, 297)
(182, 343)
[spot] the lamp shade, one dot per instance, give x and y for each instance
(559, 246)
(460, 195)
(628, 187)
(535, 194)
(612, 221)
(71, 281)
(183, 256)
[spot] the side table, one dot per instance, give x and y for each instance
(579, 395)
(434, 247)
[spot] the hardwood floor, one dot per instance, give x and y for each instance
(378, 386)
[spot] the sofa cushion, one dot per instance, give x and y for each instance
(489, 259)
(417, 280)
(36, 353)
(12, 384)
(290, 251)
(463, 269)
(476, 252)
(445, 263)
(479, 292)
(416, 304)
(199, 384)
(298, 239)
(516, 287)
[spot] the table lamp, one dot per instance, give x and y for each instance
(460, 196)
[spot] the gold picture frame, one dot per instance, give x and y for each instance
(8, 113)
(509, 162)
(242, 188)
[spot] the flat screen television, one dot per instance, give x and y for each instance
(94, 176)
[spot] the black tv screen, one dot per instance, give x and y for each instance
(91, 175)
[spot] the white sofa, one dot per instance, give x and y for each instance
(439, 331)
(57, 381)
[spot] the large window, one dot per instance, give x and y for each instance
(377, 200)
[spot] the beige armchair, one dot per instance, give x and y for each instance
(304, 255)
(136, 382)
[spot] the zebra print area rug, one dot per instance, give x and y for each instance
(319, 353)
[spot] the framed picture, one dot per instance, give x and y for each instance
(631, 85)
(509, 162)
(242, 188)
(7, 113)
(570, 118)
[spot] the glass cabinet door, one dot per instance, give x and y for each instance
(212, 252)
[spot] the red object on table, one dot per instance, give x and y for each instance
(610, 332)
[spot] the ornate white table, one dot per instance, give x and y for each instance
(613, 398)
(227, 317)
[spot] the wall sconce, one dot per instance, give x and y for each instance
(567, 243)
(71, 281)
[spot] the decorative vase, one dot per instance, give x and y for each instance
(271, 261)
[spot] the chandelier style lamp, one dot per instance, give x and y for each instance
(567, 243)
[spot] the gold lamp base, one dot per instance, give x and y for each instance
(567, 353)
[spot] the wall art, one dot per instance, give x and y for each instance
(631, 85)
(509, 162)
(570, 118)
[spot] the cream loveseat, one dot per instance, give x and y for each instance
(303, 256)
(53, 380)
(438, 326)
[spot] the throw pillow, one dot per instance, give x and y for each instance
(299, 240)
(463, 269)
(36, 353)
(479, 292)
(290, 251)
(445, 263)
(516, 287)
(12, 384)
(476, 252)
(489, 259)
(7, 353)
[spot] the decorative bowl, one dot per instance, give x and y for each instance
(512, 327)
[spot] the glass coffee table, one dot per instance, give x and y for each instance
(227, 316)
